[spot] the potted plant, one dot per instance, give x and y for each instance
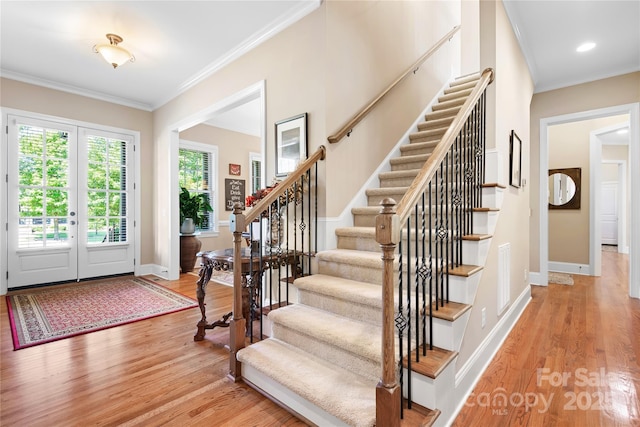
(193, 210)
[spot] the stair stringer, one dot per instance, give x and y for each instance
(440, 392)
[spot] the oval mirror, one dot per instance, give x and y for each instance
(564, 188)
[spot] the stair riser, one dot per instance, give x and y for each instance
(362, 220)
(431, 393)
(414, 164)
(455, 95)
(448, 335)
(485, 222)
(349, 309)
(475, 252)
(293, 401)
(397, 182)
(355, 311)
(375, 200)
(441, 114)
(449, 104)
(459, 87)
(415, 150)
(492, 197)
(369, 244)
(434, 124)
(350, 271)
(463, 289)
(352, 362)
(424, 138)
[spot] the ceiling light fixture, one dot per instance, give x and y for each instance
(112, 53)
(586, 47)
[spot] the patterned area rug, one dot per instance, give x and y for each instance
(57, 312)
(560, 278)
(220, 276)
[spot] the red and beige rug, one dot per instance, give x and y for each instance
(57, 312)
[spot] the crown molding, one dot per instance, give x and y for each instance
(24, 78)
(256, 39)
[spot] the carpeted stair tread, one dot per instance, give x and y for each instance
(410, 149)
(435, 123)
(385, 191)
(449, 104)
(409, 173)
(344, 394)
(347, 256)
(343, 289)
(415, 158)
(454, 95)
(359, 338)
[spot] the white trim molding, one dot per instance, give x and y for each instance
(634, 159)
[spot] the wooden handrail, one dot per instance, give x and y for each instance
(419, 184)
(346, 129)
(284, 185)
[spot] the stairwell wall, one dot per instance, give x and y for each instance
(329, 64)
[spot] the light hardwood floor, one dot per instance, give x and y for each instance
(146, 373)
(153, 373)
(588, 333)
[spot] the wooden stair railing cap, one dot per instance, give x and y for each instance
(285, 184)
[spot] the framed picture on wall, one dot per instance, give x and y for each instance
(515, 160)
(291, 143)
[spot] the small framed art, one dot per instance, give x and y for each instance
(291, 143)
(515, 160)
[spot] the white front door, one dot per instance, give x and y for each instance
(609, 216)
(70, 193)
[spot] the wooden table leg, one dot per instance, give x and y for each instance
(201, 290)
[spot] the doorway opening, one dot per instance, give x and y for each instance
(227, 113)
(633, 111)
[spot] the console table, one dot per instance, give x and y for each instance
(254, 264)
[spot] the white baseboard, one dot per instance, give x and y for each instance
(158, 270)
(568, 267)
(535, 278)
(469, 374)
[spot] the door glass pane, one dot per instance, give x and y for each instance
(43, 187)
(106, 199)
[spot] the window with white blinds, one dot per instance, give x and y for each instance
(256, 172)
(196, 174)
(106, 190)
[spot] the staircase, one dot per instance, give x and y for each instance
(323, 358)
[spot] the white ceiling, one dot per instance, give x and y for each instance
(178, 43)
(550, 31)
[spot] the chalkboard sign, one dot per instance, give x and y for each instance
(233, 193)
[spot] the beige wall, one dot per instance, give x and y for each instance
(233, 147)
(569, 147)
(329, 64)
(604, 93)
(37, 99)
(507, 109)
